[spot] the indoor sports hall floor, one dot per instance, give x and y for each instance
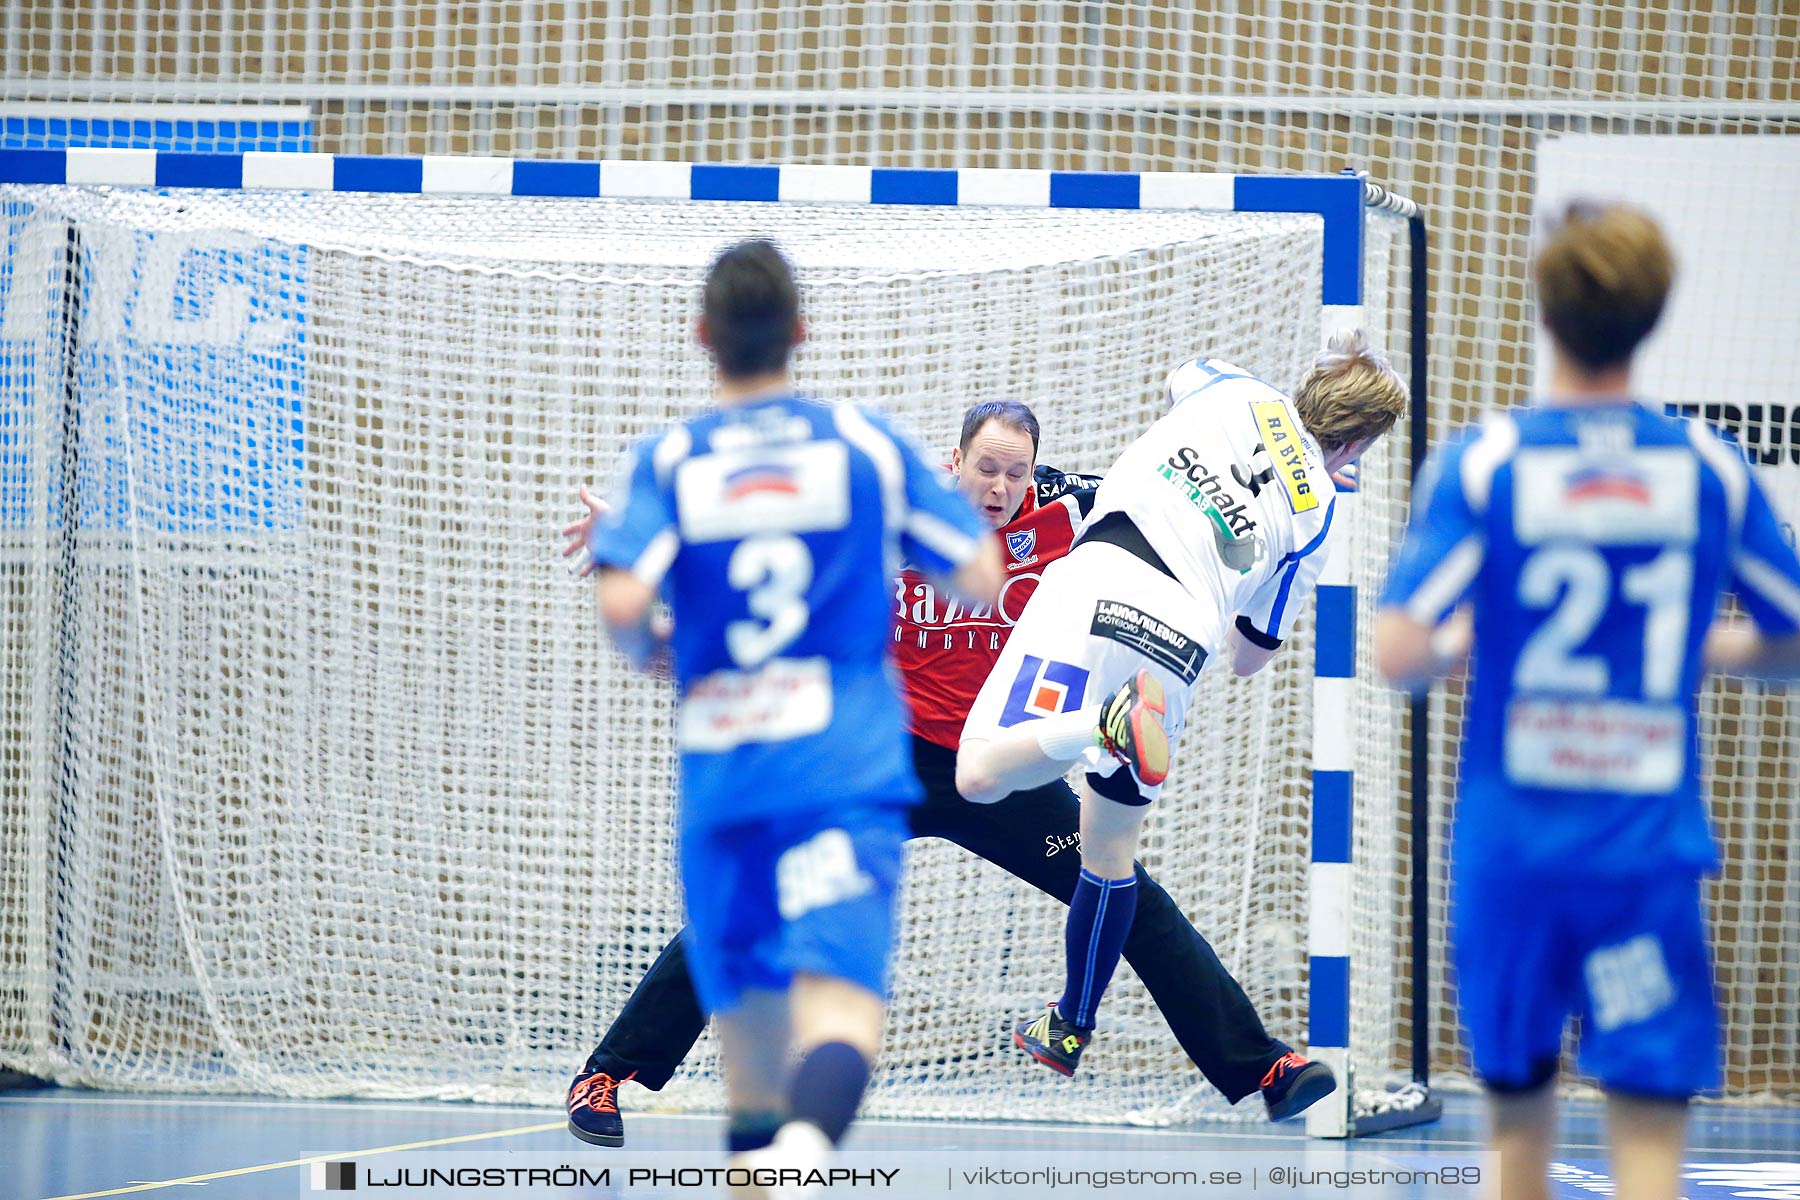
(74, 1144)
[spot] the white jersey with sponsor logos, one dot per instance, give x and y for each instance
(1229, 489)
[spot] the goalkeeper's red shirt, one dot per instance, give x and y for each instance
(946, 647)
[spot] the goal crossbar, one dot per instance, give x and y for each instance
(1338, 200)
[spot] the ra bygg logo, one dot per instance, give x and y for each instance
(334, 1177)
(1282, 441)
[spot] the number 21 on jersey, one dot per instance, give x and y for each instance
(1569, 727)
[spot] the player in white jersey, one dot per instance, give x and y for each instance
(1245, 485)
(1205, 538)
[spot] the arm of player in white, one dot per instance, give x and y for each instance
(1247, 658)
(1266, 619)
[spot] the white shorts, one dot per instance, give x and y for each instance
(1099, 615)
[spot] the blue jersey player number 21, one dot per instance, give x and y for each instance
(1612, 540)
(1591, 536)
(1594, 545)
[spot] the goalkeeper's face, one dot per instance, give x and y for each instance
(994, 470)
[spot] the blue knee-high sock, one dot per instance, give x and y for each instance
(1100, 916)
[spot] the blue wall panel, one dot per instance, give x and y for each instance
(209, 348)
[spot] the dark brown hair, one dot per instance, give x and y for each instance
(1010, 413)
(752, 308)
(1603, 275)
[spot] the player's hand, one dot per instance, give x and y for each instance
(1730, 647)
(1345, 477)
(1452, 641)
(577, 532)
(1736, 648)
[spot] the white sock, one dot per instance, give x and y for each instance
(1063, 737)
(802, 1144)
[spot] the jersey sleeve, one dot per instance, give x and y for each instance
(1176, 385)
(640, 534)
(1267, 618)
(940, 531)
(1195, 376)
(1050, 485)
(1764, 572)
(1444, 547)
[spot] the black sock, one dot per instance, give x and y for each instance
(828, 1086)
(752, 1131)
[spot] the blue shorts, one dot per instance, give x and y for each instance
(804, 893)
(1629, 958)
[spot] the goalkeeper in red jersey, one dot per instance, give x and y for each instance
(945, 650)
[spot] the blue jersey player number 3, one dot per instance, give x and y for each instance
(772, 525)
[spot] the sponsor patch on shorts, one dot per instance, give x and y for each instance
(1155, 640)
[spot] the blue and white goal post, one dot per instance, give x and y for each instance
(1346, 903)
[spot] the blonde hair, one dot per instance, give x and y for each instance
(1603, 274)
(1351, 393)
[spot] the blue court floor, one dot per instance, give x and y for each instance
(73, 1145)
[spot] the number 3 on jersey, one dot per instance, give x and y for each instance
(775, 570)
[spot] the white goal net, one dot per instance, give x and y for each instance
(319, 779)
(1456, 106)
